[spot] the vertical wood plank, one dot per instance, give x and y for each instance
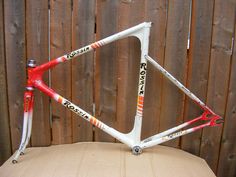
(175, 62)
(14, 16)
(227, 159)
(5, 139)
(37, 48)
(156, 12)
(218, 76)
(60, 43)
(128, 59)
(198, 68)
(105, 71)
(137, 10)
(83, 67)
(122, 69)
(125, 59)
(128, 64)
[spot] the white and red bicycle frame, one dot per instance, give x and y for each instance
(131, 139)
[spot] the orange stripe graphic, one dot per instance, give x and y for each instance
(96, 45)
(140, 110)
(140, 106)
(100, 44)
(140, 103)
(94, 121)
(63, 59)
(140, 98)
(91, 120)
(93, 46)
(60, 99)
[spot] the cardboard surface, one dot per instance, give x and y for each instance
(98, 159)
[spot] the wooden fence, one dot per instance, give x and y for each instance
(104, 82)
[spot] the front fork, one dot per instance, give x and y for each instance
(27, 121)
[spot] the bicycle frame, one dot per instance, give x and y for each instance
(131, 139)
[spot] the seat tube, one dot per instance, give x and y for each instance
(144, 40)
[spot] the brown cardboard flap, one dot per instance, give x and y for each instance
(98, 159)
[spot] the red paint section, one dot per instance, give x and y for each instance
(28, 101)
(201, 126)
(194, 120)
(44, 88)
(212, 120)
(46, 66)
(35, 76)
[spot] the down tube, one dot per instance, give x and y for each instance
(111, 131)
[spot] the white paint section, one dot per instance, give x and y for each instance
(29, 130)
(61, 59)
(78, 52)
(134, 31)
(165, 138)
(165, 133)
(24, 136)
(56, 97)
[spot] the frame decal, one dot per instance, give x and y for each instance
(78, 52)
(142, 78)
(75, 109)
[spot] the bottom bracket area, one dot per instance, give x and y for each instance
(136, 150)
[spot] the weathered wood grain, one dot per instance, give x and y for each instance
(156, 12)
(106, 70)
(37, 48)
(227, 159)
(5, 139)
(14, 17)
(130, 14)
(198, 67)
(176, 63)
(83, 68)
(223, 29)
(60, 43)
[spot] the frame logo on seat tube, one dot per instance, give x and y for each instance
(142, 77)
